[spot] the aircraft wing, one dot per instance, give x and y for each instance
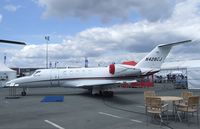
(102, 83)
(12, 42)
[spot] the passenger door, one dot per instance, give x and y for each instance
(54, 77)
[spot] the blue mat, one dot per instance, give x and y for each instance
(53, 99)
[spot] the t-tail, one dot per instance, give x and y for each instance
(153, 61)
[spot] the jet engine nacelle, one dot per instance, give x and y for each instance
(123, 70)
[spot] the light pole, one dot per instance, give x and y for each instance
(86, 62)
(47, 38)
(4, 58)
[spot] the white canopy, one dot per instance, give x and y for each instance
(4, 68)
(193, 71)
(181, 64)
(6, 74)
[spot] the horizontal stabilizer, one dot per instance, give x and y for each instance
(175, 43)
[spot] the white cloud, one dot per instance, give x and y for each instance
(105, 45)
(12, 8)
(108, 9)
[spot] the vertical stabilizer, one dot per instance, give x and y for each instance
(157, 56)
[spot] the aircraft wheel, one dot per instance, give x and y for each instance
(23, 93)
(111, 93)
(108, 93)
(100, 93)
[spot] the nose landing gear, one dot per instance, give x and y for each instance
(23, 93)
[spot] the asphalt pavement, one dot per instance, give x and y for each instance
(79, 110)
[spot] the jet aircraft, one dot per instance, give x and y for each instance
(97, 80)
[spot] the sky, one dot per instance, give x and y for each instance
(104, 31)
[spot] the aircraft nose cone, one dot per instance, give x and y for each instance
(11, 83)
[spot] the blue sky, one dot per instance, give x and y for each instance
(26, 23)
(99, 30)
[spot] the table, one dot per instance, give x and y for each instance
(172, 99)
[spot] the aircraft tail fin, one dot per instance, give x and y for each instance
(157, 56)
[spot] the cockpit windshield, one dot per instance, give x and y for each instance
(37, 73)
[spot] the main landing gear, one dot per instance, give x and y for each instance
(104, 93)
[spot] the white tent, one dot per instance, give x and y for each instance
(6, 74)
(193, 75)
(193, 71)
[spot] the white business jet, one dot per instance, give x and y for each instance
(97, 80)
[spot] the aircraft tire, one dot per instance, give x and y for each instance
(108, 93)
(111, 93)
(100, 93)
(23, 93)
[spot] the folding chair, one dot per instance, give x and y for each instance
(191, 106)
(155, 106)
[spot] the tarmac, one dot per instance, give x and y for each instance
(79, 110)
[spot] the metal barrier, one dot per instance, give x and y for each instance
(12, 93)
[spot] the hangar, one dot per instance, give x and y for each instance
(6, 74)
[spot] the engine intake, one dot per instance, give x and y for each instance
(112, 69)
(123, 70)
